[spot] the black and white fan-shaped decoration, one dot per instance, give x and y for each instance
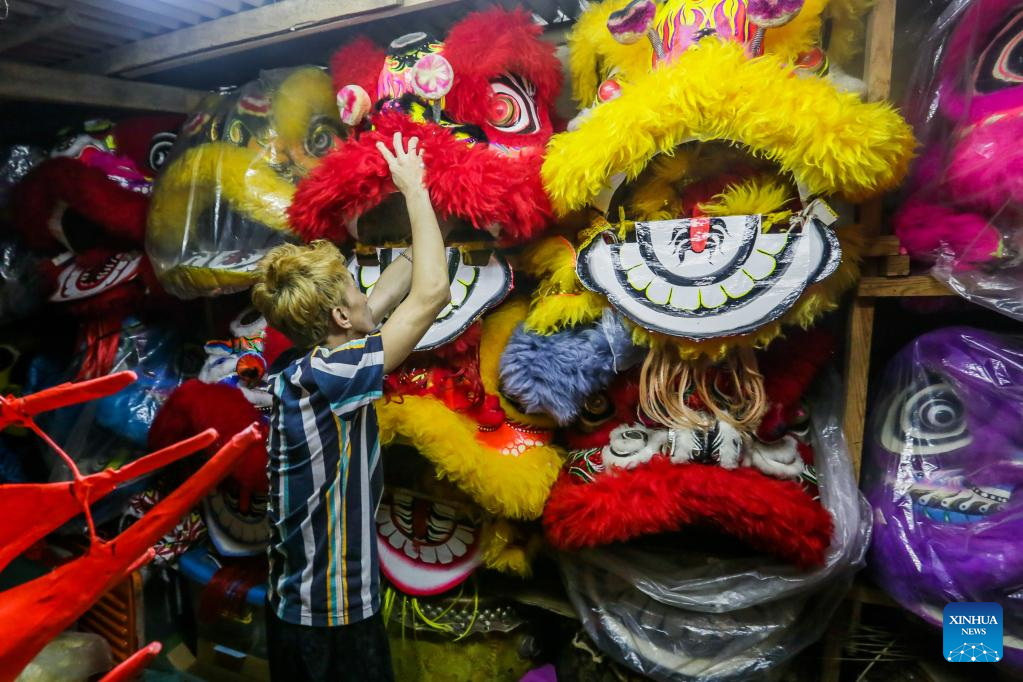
(475, 289)
(710, 277)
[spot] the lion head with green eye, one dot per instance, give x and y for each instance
(222, 202)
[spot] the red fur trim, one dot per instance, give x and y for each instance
(468, 181)
(463, 349)
(789, 368)
(358, 63)
(793, 362)
(195, 406)
(487, 44)
(89, 192)
(769, 515)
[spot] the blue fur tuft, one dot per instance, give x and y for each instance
(555, 374)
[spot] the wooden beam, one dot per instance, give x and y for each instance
(132, 15)
(179, 13)
(38, 29)
(879, 50)
(859, 335)
(913, 286)
(113, 18)
(244, 30)
(41, 84)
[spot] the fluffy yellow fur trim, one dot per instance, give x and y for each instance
(815, 301)
(216, 171)
(509, 547)
(504, 485)
(829, 141)
(593, 53)
(560, 301)
(847, 26)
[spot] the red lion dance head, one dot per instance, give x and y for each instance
(493, 84)
(480, 102)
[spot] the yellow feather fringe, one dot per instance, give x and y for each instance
(512, 486)
(509, 547)
(830, 141)
(504, 485)
(560, 300)
(847, 26)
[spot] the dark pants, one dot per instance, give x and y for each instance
(300, 653)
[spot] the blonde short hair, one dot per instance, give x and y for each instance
(297, 288)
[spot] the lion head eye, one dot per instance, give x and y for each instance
(513, 106)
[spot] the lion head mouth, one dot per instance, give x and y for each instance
(426, 546)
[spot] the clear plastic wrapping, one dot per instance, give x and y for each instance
(943, 474)
(685, 615)
(113, 431)
(221, 202)
(70, 657)
(15, 163)
(963, 207)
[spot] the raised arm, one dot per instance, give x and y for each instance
(429, 291)
(391, 287)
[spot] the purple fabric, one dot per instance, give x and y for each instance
(953, 399)
(773, 12)
(542, 674)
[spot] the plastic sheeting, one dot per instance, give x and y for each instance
(963, 209)
(944, 475)
(682, 614)
(70, 657)
(114, 430)
(221, 202)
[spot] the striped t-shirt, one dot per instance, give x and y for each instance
(325, 484)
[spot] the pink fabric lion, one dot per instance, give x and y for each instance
(966, 198)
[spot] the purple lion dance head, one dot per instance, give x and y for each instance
(945, 477)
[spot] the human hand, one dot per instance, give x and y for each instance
(407, 167)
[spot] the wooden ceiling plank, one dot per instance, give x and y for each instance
(113, 21)
(230, 6)
(275, 22)
(93, 42)
(177, 13)
(82, 21)
(40, 28)
(406, 8)
(40, 50)
(160, 23)
(207, 9)
(40, 84)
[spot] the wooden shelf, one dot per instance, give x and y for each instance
(911, 286)
(41, 84)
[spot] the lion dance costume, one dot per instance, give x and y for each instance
(480, 103)
(711, 136)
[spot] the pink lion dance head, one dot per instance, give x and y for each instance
(967, 195)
